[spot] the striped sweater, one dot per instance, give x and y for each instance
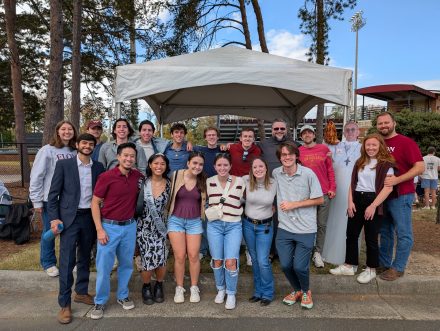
(232, 208)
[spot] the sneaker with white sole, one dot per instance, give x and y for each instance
(366, 276)
(52, 271)
(248, 258)
(126, 303)
(97, 312)
(317, 260)
(178, 296)
(230, 302)
(220, 297)
(343, 270)
(195, 294)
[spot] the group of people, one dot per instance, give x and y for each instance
(283, 200)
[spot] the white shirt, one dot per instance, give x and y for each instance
(85, 183)
(367, 177)
(432, 163)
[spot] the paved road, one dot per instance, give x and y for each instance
(242, 324)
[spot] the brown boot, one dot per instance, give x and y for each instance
(65, 315)
(390, 274)
(84, 298)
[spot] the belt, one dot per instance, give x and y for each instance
(122, 223)
(366, 193)
(83, 210)
(258, 222)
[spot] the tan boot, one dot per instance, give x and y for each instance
(84, 298)
(65, 315)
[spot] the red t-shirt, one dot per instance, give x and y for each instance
(241, 163)
(406, 153)
(119, 193)
(319, 160)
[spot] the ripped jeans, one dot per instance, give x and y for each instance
(224, 240)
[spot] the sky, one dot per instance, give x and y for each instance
(398, 44)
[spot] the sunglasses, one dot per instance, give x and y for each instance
(244, 156)
(279, 129)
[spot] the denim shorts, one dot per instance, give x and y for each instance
(429, 183)
(188, 226)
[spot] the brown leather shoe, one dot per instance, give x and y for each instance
(84, 298)
(390, 274)
(65, 315)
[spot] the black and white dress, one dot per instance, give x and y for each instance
(151, 243)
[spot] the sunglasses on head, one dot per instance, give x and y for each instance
(279, 129)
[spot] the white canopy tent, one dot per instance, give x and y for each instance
(234, 81)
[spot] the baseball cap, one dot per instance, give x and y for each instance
(94, 124)
(307, 127)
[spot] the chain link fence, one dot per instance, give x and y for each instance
(11, 162)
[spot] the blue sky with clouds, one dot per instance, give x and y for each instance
(399, 43)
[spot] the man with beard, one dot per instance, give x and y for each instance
(69, 204)
(116, 191)
(397, 218)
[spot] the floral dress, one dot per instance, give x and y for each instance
(151, 243)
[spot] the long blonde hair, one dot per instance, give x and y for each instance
(253, 180)
(382, 156)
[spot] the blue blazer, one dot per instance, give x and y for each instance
(64, 193)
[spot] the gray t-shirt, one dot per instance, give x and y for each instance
(259, 202)
(303, 185)
(432, 163)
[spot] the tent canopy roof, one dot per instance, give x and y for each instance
(232, 80)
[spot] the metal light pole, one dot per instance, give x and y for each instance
(357, 23)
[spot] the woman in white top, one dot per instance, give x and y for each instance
(225, 234)
(365, 206)
(258, 229)
(61, 146)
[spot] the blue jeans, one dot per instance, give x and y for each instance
(258, 243)
(294, 251)
(121, 243)
(47, 248)
(397, 219)
(224, 240)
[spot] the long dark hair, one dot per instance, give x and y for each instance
(56, 140)
(153, 157)
(130, 129)
(201, 177)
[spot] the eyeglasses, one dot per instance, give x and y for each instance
(279, 129)
(350, 129)
(244, 156)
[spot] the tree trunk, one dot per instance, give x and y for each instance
(244, 22)
(10, 17)
(320, 58)
(134, 110)
(264, 49)
(76, 64)
(55, 90)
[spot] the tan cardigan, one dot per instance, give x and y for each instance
(176, 184)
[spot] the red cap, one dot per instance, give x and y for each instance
(94, 124)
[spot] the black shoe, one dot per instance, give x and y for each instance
(158, 292)
(265, 302)
(254, 299)
(147, 296)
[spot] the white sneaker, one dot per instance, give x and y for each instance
(317, 260)
(195, 294)
(248, 258)
(426, 207)
(230, 302)
(220, 297)
(74, 268)
(52, 271)
(179, 297)
(366, 276)
(343, 270)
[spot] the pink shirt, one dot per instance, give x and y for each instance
(406, 153)
(319, 160)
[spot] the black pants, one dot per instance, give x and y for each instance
(81, 233)
(371, 228)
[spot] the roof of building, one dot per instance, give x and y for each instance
(395, 92)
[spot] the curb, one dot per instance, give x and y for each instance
(17, 280)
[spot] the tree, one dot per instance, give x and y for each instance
(10, 15)
(76, 63)
(315, 16)
(55, 88)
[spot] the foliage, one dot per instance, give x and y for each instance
(195, 127)
(423, 127)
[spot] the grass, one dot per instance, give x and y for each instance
(29, 259)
